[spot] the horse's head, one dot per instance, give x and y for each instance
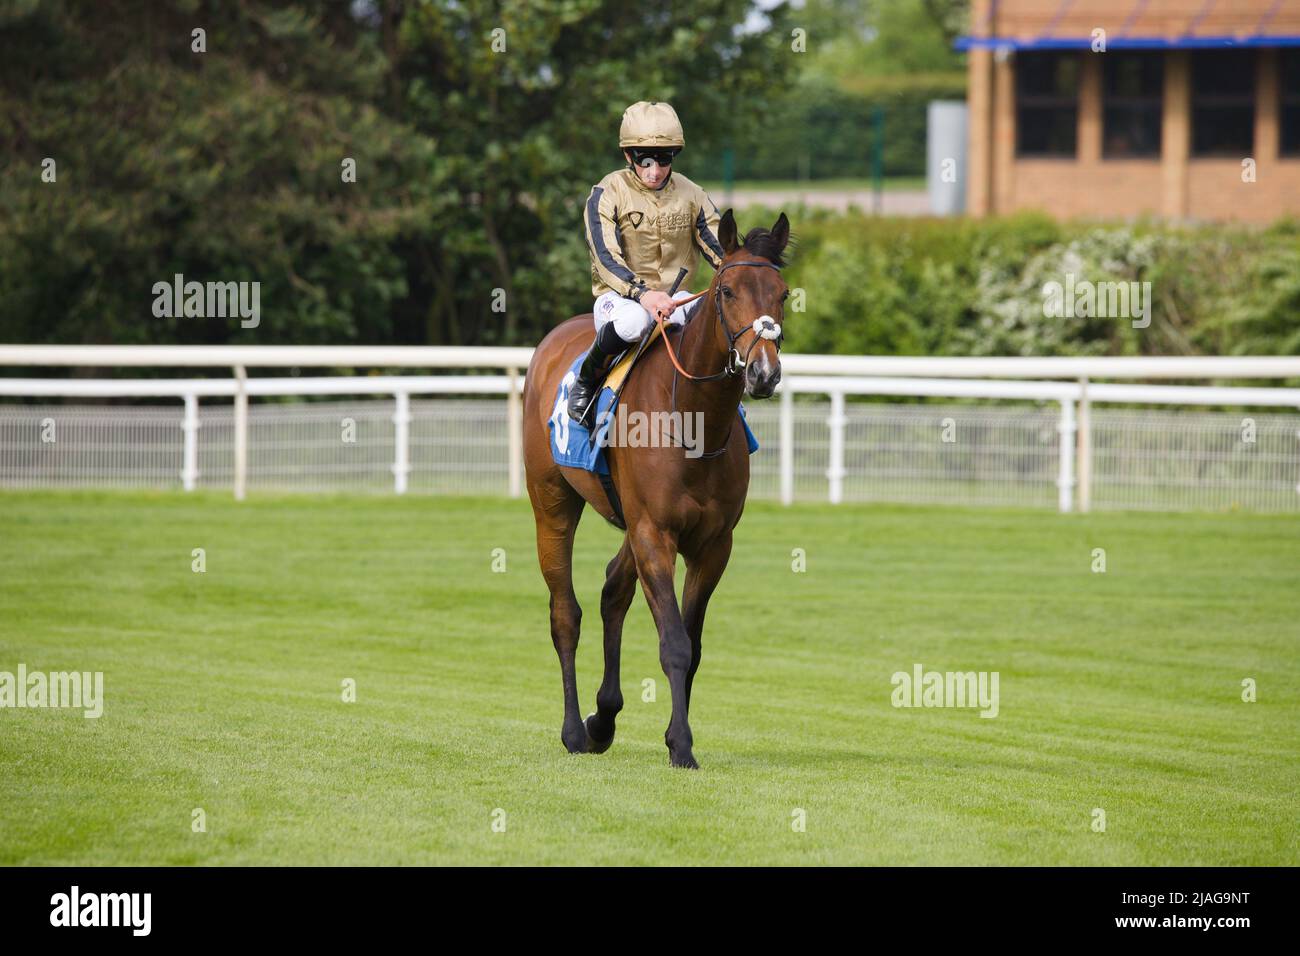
(751, 295)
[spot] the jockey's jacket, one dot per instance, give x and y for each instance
(640, 238)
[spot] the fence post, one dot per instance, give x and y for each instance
(1085, 448)
(1065, 474)
(241, 432)
(835, 473)
(515, 430)
(401, 442)
(878, 160)
(190, 453)
(787, 445)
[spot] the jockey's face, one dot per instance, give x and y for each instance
(653, 176)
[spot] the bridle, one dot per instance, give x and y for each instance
(764, 327)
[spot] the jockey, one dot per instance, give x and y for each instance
(644, 225)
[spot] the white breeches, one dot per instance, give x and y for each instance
(630, 320)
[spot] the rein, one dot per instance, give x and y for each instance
(764, 327)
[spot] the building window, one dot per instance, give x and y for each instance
(1223, 103)
(1047, 103)
(1133, 94)
(1289, 96)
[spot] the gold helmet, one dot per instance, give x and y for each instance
(651, 125)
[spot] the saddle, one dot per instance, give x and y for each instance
(617, 375)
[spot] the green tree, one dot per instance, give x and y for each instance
(476, 127)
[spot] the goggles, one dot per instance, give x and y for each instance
(645, 158)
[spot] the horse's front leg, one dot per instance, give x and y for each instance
(656, 562)
(702, 576)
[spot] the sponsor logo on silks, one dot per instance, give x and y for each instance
(675, 222)
(103, 909)
(635, 218)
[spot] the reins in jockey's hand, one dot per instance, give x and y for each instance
(764, 327)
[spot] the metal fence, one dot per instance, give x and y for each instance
(1195, 460)
(892, 451)
(1048, 439)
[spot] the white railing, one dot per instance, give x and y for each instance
(834, 376)
(449, 356)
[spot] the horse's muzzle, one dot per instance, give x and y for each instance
(762, 375)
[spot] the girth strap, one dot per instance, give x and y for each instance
(607, 482)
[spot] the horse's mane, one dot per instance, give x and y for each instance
(761, 242)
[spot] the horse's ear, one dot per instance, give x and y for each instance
(781, 232)
(727, 233)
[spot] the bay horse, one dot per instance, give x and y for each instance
(671, 503)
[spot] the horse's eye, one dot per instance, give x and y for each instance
(726, 292)
(785, 295)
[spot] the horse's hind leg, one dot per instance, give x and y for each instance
(557, 508)
(615, 599)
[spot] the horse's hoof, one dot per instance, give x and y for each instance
(576, 742)
(686, 761)
(595, 745)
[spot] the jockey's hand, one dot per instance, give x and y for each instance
(658, 303)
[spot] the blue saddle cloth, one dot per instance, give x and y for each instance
(574, 444)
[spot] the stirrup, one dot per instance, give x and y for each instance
(578, 416)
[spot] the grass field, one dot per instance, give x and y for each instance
(1119, 691)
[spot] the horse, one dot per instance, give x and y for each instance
(671, 503)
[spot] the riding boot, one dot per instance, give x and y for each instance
(609, 345)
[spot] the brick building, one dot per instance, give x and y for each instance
(1159, 123)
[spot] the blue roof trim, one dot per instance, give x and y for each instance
(1124, 43)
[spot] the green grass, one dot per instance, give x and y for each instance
(1118, 690)
(863, 184)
